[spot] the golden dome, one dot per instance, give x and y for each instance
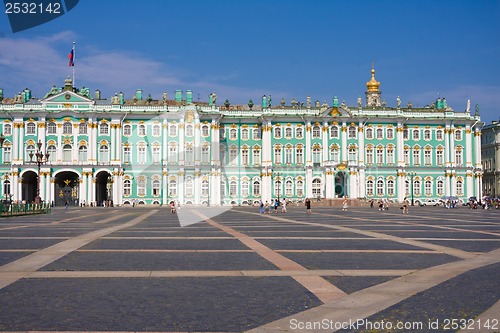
(373, 85)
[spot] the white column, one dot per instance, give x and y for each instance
(344, 147)
(15, 142)
(469, 183)
(478, 165)
(42, 186)
(74, 150)
(353, 180)
(197, 139)
(112, 143)
(180, 186)
(59, 143)
(468, 147)
(330, 183)
(17, 187)
(116, 186)
(361, 142)
(452, 147)
(182, 147)
(308, 182)
(324, 137)
(83, 188)
(197, 186)
(308, 148)
(401, 185)
(52, 191)
(361, 183)
(49, 194)
(400, 148)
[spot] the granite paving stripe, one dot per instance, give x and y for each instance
(13, 271)
(218, 273)
(161, 251)
(336, 244)
(492, 315)
(451, 251)
(315, 284)
(356, 251)
(467, 245)
(367, 302)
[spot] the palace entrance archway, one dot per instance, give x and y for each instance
(103, 188)
(29, 184)
(66, 188)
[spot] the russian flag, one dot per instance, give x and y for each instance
(71, 57)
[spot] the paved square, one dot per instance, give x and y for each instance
(138, 270)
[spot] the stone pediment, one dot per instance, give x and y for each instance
(65, 98)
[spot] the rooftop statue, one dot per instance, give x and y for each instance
(53, 91)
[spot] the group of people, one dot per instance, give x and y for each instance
(382, 204)
(268, 207)
(174, 208)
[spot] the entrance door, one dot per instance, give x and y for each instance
(66, 189)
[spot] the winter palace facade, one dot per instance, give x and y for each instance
(147, 151)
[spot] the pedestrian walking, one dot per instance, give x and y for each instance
(308, 206)
(66, 204)
(172, 207)
(276, 204)
(345, 203)
(406, 203)
(283, 206)
(261, 207)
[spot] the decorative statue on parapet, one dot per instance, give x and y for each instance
(53, 91)
(85, 92)
(212, 99)
(398, 102)
(360, 102)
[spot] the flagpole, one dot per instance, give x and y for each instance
(74, 56)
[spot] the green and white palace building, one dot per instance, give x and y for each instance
(148, 151)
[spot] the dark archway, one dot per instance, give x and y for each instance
(29, 184)
(103, 188)
(66, 188)
(340, 184)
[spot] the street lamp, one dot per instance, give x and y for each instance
(279, 184)
(412, 174)
(41, 158)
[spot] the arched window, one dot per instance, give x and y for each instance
(172, 188)
(82, 128)
(205, 154)
(288, 155)
(233, 188)
(156, 130)
(245, 134)
(416, 187)
(369, 133)
(369, 187)
(428, 187)
(67, 153)
(172, 153)
(316, 187)
(288, 132)
(172, 130)
(30, 149)
(390, 134)
(103, 154)
(127, 187)
(277, 132)
(334, 132)
(233, 134)
(416, 134)
(352, 132)
(316, 132)
(299, 155)
(6, 187)
(460, 188)
(439, 135)
(156, 188)
(380, 133)
(67, 128)
(299, 133)
(188, 188)
(204, 188)
(82, 153)
(440, 187)
(205, 130)
(104, 129)
(7, 129)
(256, 188)
(316, 154)
(277, 188)
(458, 135)
(289, 188)
(299, 186)
(380, 187)
(245, 188)
(390, 187)
(52, 150)
(30, 128)
(353, 155)
(141, 130)
(277, 154)
(189, 155)
(189, 130)
(369, 155)
(51, 128)
(141, 186)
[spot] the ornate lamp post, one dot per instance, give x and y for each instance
(412, 174)
(278, 181)
(41, 158)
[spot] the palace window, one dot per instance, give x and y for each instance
(277, 132)
(51, 128)
(244, 156)
(141, 186)
(440, 187)
(222, 132)
(406, 156)
(369, 155)
(460, 188)
(156, 130)
(172, 188)
(189, 130)
(380, 155)
(316, 187)
(67, 153)
(288, 188)
(380, 187)
(52, 150)
(427, 135)
(127, 187)
(127, 154)
(172, 130)
(390, 155)
(416, 135)
(316, 132)
(458, 135)
(256, 134)
(299, 133)
(189, 186)
(82, 128)
(428, 187)
(104, 154)
(7, 129)
(67, 128)
(353, 155)
(335, 154)
(390, 187)
(416, 156)
(256, 188)
(223, 189)
(156, 188)
(233, 188)
(439, 157)
(288, 155)
(407, 188)
(205, 154)
(277, 188)
(141, 154)
(205, 131)
(30, 149)
(316, 154)
(103, 129)
(458, 156)
(288, 132)
(439, 135)
(352, 132)
(369, 188)
(256, 155)
(30, 128)
(334, 132)
(173, 156)
(127, 130)
(156, 154)
(300, 188)
(405, 134)
(245, 188)
(416, 187)
(233, 155)
(204, 188)
(427, 157)
(141, 130)
(380, 133)
(82, 153)
(369, 133)
(245, 134)
(277, 154)
(390, 133)
(299, 155)
(233, 134)
(189, 158)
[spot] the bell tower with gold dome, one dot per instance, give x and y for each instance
(373, 92)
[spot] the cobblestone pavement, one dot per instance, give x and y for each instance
(139, 270)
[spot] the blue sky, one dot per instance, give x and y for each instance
(286, 48)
